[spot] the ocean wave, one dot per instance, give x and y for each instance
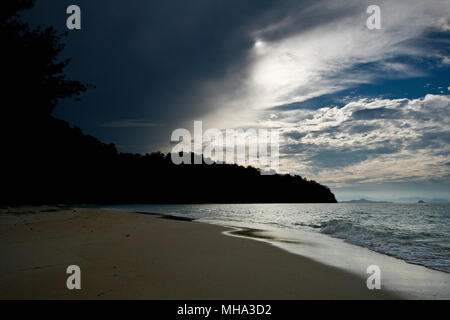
(407, 246)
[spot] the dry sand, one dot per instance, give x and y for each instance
(136, 256)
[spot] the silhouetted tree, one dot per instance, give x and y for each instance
(32, 74)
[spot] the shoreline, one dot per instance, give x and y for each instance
(124, 255)
(402, 277)
(405, 280)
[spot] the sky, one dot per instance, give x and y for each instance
(363, 111)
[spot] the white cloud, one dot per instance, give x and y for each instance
(366, 140)
(445, 60)
(310, 62)
(444, 24)
(369, 141)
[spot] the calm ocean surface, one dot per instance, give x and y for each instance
(416, 233)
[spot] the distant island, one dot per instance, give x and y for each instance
(400, 200)
(422, 200)
(364, 201)
(46, 161)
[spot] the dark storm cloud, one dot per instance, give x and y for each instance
(293, 16)
(153, 59)
(129, 123)
(147, 58)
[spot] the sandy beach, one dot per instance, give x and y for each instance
(137, 256)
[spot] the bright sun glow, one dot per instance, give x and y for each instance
(259, 44)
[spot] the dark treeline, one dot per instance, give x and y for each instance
(50, 162)
(44, 160)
